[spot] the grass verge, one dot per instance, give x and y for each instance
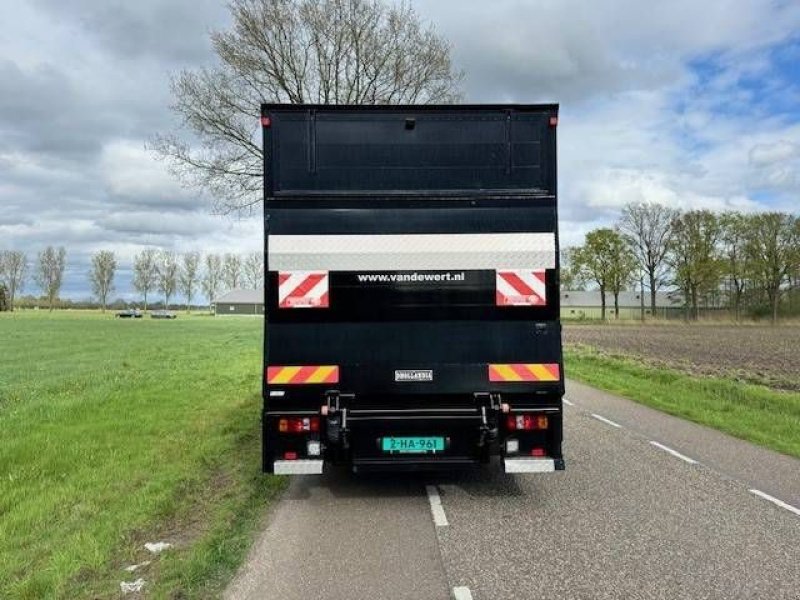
(754, 413)
(121, 432)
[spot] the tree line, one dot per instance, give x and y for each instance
(748, 263)
(154, 271)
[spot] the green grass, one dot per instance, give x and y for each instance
(758, 414)
(120, 432)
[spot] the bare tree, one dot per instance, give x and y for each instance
(13, 269)
(296, 51)
(145, 272)
(212, 278)
(232, 270)
(50, 272)
(101, 276)
(167, 268)
(188, 276)
(254, 270)
(647, 228)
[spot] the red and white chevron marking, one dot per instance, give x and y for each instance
(303, 289)
(520, 288)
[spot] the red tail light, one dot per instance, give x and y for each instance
(298, 425)
(526, 422)
(290, 455)
(266, 121)
(537, 452)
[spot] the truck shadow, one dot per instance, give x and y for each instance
(486, 481)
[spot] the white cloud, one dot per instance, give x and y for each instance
(767, 154)
(130, 171)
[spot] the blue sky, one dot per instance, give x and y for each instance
(692, 104)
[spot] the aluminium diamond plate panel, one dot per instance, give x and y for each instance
(412, 252)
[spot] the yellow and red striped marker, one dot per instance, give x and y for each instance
(289, 375)
(525, 372)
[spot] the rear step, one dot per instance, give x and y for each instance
(532, 465)
(298, 467)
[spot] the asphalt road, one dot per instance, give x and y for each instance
(649, 507)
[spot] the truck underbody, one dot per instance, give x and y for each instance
(411, 289)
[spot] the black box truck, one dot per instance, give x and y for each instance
(412, 288)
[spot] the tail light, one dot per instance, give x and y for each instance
(526, 422)
(537, 452)
(298, 425)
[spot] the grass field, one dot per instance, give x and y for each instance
(121, 432)
(740, 380)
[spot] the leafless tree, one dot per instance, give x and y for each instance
(145, 272)
(167, 268)
(647, 228)
(50, 272)
(296, 51)
(188, 276)
(212, 278)
(101, 276)
(254, 270)
(13, 270)
(232, 270)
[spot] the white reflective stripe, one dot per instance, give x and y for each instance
(431, 251)
(298, 467)
(529, 465)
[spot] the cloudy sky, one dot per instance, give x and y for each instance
(695, 104)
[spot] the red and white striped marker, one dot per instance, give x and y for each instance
(303, 289)
(520, 288)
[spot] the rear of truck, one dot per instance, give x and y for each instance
(412, 299)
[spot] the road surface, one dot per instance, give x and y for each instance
(650, 506)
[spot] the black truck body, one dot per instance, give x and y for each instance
(411, 289)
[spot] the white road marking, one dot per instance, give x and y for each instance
(567, 402)
(462, 593)
(777, 502)
(674, 453)
(606, 421)
(437, 510)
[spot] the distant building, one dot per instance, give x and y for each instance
(587, 305)
(240, 302)
(574, 304)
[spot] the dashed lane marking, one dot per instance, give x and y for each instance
(776, 502)
(674, 453)
(606, 421)
(567, 402)
(437, 510)
(462, 593)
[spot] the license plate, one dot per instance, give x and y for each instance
(412, 444)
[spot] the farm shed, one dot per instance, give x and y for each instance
(587, 305)
(240, 302)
